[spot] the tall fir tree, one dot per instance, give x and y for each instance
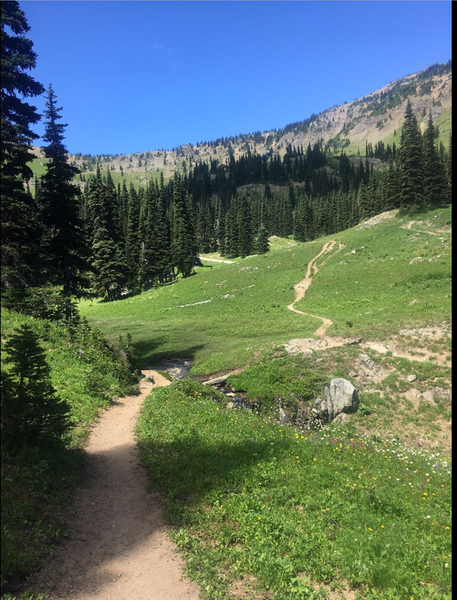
(411, 180)
(219, 226)
(449, 170)
(132, 245)
(363, 201)
(63, 242)
(162, 231)
(20, 229)
(231, 241)
(244, 224)
(109, 267)
(433, 171)
(184, 247)
(147, 271)
(262, 244)
(299, 218)
(391, 187)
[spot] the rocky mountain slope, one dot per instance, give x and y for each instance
(345, 128)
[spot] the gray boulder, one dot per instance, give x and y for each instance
(285, 418)
(340, 397)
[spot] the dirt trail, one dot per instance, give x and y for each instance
(118, 548)
(300, 290)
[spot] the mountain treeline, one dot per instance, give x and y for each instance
(66, 242)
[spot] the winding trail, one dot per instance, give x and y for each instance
(302, 286)
(118, 548)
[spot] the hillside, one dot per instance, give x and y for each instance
(348, 127)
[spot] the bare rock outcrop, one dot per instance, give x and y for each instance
(339, 397)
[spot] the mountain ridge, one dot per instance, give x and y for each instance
(376, 117)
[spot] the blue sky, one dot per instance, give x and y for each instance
(133, 76)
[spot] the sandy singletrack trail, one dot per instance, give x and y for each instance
(118, 548)
(303, 285)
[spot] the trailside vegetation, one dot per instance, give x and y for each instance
(56, 377)
(57, 372)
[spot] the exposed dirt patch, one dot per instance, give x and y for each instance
(385, 216)
(118, 546)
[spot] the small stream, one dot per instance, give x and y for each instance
(177, 368)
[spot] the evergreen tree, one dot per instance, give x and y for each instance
(231, 243)
(343, 211)
(219, 227)
(364, 205)
(449, 170)
(286, 223)
(434, 172)
(374, 196)
(109, 267)
(163, 236)
(262, 245)
(147, 271)
(19, 228)
(391, 187)
(244, 224)
(303, 220)
(204, 230)
(299, 220)
(411, 181)
(132, 243)
(32, 414)
(184, 250)
(353, 199)
(63, 242)
(124, 210)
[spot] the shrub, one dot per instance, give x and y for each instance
(32, 413)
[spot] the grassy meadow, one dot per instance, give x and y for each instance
(261, 511)
(226, 313)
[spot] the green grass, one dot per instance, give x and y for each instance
(252, 519)
(284, 514)
(247, 311)
(276, 374)
(374, 288)
(369, 293)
